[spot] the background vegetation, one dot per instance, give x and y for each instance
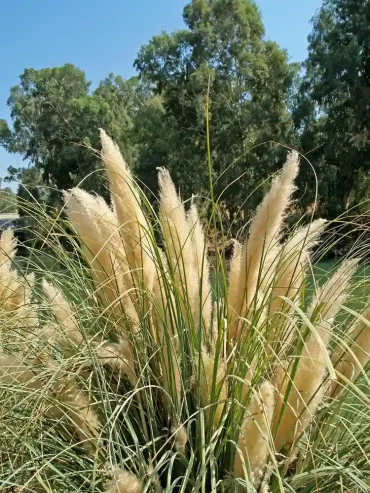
(256, 99)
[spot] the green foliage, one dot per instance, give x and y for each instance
(219, 67)
(333, 110)
(151, 137)
(222, 56)
(56, 121)
(8, 200)
(31, 186)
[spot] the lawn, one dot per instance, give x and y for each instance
(60, 268)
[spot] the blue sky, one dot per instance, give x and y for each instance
(104, 36)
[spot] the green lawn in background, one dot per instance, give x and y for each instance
(39, 262)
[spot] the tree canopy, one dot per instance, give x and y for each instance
(218, 71)
(333, 107)
(8, 200)
(56, 121)
(223, 55)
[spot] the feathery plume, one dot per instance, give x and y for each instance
(105, 225)
(177, 239)
(87, 229)
(12, 370)
(329, 298)
(78, 407)
(263, 234)
(201, 263)
(63, 313)
(352, 360)
(307, 389)
(234, 273)
(255, 436)
(15, 293)
(181, 438)
(11, 291)
(8, 245)
(134, 227)
(292, 262)
(7, 253)
(289, 272)
(120, 358)
(97, 227)
(16, 290)
(124, 482)
(44, 341)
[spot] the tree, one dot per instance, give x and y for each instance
(56, 124)
(221, 52)
(333, 111)
(151, 136)
(32, 192)
(125, 98)
(8, 200)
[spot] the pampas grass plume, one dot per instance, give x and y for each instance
(354, 359)
(78, 407)
(201, 263)
(120, 358)
(177, 237)
(134, 226)
(124, 482)
(255, 437)
(63, 313)
(307, 389)
(264, 231)
(13, 371)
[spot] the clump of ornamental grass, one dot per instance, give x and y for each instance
(140, 365)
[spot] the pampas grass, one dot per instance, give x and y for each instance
(131, 371)
(355, 357)
(134, 227)
(181, 250)
(124, 482)
(64, 315)
(255, 441)
(264, 233)
(301, 392)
